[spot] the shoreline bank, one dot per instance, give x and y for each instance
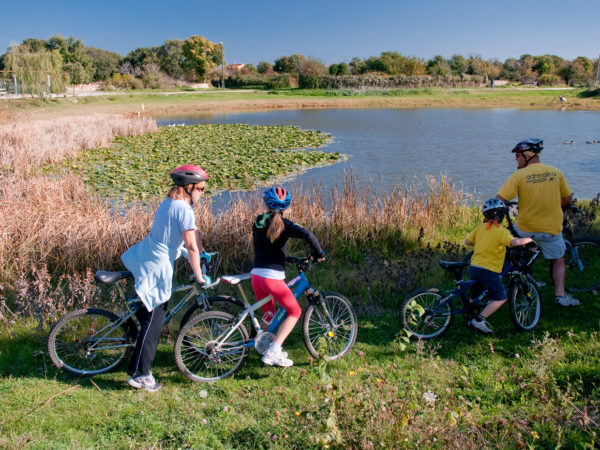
(169, 104)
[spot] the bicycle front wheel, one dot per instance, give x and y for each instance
(583, 265)
(524, 304)
(200, 352)
(89, 342)
(424, 315)
(330, 327)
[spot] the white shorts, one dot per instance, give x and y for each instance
(553, 245)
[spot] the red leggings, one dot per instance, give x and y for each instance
(280, 292)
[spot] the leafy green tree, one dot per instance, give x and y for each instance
(458, 64)
(264, 68)
(333, 69)
(343, 69)
(525, 73)
(171, 58)
(104, 63)
(357, 66)
(77, 63)
(201, 55)
(438, 66)
(288, 64)
(544, 65)
(579, 71)
(140, 57)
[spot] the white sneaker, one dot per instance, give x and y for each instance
(566, 300)
(481, 326)
(271, 358)
(146, 382)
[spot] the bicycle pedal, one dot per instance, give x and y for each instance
(540, 284)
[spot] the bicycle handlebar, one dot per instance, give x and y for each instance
(303, 262)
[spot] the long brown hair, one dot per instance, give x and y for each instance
(276, 226)
(180, 192)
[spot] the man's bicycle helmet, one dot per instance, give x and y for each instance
(494, 209)
(188, 174)
(277, 198)
(529, 145)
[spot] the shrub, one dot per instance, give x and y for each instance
(549, 79)
(122, 81)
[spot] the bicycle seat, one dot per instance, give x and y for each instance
(456, 267)
(453, 265)
(235, 279)
(106, 277)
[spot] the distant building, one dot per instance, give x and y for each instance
(236, 66)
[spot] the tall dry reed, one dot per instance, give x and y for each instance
(59, 223)
(25, 145)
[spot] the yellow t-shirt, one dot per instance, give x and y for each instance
(540, 188)
(490, 246)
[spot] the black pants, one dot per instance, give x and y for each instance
(145, 348)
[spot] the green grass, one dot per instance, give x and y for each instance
(538, 389)
(525, 98)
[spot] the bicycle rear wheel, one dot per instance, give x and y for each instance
(89, 342)
(330, 327)
(524, 304)
(583, 265)
(199, 353)
(424, 315)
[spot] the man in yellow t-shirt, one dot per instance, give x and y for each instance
(490, 240)
(543, 192)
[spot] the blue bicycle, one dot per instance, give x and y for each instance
(427, 313)
(215, 344)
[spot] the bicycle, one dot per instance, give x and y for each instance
(215, 345)
(92, 341)
(582, 256)
(427, 312)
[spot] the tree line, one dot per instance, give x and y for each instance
(60, 61)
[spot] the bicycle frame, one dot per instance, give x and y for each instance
(460, 291)
(133, 306)
(300, 285)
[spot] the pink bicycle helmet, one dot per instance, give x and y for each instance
(188, 174)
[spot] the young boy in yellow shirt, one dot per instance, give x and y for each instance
(490, 240)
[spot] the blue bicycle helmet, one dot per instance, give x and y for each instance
(529, 145)
(277, 198)
(494, 209)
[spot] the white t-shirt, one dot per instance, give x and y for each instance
(171, 219)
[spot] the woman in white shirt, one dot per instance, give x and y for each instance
(151, 261)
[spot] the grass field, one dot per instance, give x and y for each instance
(539, 389)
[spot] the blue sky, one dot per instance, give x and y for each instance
(333, 31)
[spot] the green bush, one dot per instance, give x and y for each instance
(549, 79)
(122, 81)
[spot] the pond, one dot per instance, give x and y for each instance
(471, 147)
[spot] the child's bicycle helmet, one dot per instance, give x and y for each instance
(277, 198)
(494, 209)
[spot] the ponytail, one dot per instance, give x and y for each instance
(276, 227)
